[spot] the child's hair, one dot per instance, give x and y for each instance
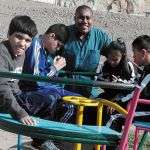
(141, 42)
(119, 45)
(23, 24)
(60, 30)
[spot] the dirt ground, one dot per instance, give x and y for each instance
(8, 140)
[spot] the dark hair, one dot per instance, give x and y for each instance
(83, 7)
(60, 31)
(119, 45)
(23, 24)
(141, 42)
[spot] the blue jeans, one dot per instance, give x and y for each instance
(62, 112)
(46, 103)
(35, 103)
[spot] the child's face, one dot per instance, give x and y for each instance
(51, 43)
(141, 57)
(19, 42)
(114, 58)
(138, 57)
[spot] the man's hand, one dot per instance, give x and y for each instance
(27, 120)
(59, 62)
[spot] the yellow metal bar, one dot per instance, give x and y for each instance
(114, 106)
(83, 101)
(79, 100)
(79, 121)
(99, 120)
(99, 114)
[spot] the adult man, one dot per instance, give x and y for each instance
(85, 44)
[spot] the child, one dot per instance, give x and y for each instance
(21, 31)
(20, 104)
(141, 55)
(141, 51)
(117, 68)
(41, 59)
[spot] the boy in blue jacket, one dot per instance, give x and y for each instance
(42, 59)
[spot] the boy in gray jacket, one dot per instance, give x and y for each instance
(21, 31)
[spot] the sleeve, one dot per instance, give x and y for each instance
(103, 75)
(52, 71)
(8, 102)
(29, 61)
(106, 41)
(132, 75)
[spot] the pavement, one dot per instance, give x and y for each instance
(8, 140)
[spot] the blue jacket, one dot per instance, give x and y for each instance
(38, 62)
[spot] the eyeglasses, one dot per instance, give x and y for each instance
(84, 17)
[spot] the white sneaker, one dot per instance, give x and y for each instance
(48, 145)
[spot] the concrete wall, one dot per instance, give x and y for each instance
(118, 25)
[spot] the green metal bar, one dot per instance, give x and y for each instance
(145, 135)
(79, 73)
(68, 81)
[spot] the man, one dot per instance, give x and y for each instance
(85, 45)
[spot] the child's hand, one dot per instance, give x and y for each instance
(114, 78)
(27, 120)
(59, 62)
(110, 110)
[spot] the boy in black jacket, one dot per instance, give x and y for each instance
(141, 51)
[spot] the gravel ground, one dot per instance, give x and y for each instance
(7, 7)
(8, 140)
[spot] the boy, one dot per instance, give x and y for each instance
(141, 55)
(42, 59)
(21, 31)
